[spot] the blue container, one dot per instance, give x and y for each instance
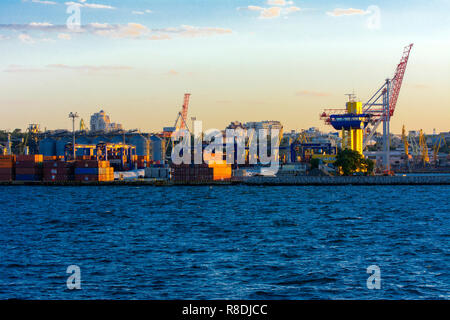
(349, 121)
(27, 177)
(86, 170)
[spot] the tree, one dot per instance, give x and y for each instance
(315, 163)
(350, 161)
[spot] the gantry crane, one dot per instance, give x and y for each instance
(437, 145)
(405, 142)
(423, 148)
(359, 122)
(183, 114)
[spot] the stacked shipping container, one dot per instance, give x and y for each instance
(192, 173)
(143, 162)
(93, 170)
(29, 167)
(7, 167)
(59, 171)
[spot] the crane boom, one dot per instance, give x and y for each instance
(397, 80)
(184, 110)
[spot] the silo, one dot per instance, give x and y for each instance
(47, 147)
(157, 146)
(100, 139)
(117, 138)
(83, 140)
(142, 145)
(61, 144)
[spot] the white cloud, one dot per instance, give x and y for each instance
(269, 13)
(291, 10)
(89, 5)
(131, 30)
(191, 31)
(64, 36)
(44, 2)
(279, 2)
(25, 38)
(273, 12)
(338, 12)
(141, 12)
(40, 24)
(98, 25)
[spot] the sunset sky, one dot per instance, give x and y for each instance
(246, 60)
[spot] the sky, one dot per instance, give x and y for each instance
(244, 60)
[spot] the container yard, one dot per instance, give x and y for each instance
(107, 153)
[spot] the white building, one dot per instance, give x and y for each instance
(100, 122)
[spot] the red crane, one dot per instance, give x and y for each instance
(184, 111)
(397, 80)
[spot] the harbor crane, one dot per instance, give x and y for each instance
(183, 114)
(359, 121)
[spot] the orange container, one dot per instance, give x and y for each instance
(30, 157)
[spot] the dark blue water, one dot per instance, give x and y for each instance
(231, 242)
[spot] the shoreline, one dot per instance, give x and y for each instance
(259, 181)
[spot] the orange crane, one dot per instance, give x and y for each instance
(423, 147)
(184, 110)
(437, 146)
(405, 142)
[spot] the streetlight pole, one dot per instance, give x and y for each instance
(73, 116)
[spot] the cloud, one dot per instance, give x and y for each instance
(87, 68)
(273, 12)
(191, 31)
(131, 30)
(159, 37)
(279, 2)
(40, 24)
(173, 73)
(346, 12)
(15, 68)
(89, 5)
(64, 36)
(141, 12)
(26, 38)
(312, 93)
(269, 13)
(44, 2)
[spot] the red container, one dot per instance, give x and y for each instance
(91, 164)
(33, 171)
(6, 171)
(27, 164)
(59, 164)
(6, 177)
(92, 177)
(30, 157)
(58, 177)
(58, 171)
